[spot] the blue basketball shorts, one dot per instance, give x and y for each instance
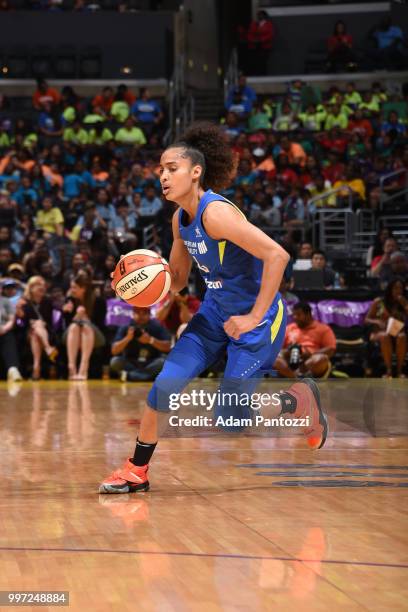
(204, 341)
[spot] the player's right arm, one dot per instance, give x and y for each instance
(180, 260)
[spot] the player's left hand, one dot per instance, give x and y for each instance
(238, 325)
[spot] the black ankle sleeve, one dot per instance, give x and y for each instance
(143, 452)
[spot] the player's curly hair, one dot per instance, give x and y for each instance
(207, 146)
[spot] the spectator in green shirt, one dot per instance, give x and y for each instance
(352, 97)
(4, 139)
(370, 103)
(285, 120)
(312, 118)
(92, 118)
(344, 107)
(129, 134)
(120, 109)
(99, 135)
(379, 94)
(259, 119)
(76, 134)
(336, 118)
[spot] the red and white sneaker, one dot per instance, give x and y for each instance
(308, 405)
(129, 479)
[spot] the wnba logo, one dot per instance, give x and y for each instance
(122, 268)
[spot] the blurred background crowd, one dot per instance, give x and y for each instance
(79, 186)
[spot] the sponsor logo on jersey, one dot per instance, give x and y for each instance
(132, 282)
(202, 247)
(217, 284)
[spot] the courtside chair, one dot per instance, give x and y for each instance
(41, 62)
(68, 5)
(18, 62)
(90, 63)
(66, 63)
(3, 63)
(108, 5)
(18, 4)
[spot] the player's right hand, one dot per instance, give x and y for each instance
(113, 273)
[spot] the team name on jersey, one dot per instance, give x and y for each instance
(196, 247)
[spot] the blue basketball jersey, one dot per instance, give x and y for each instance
(232, 275)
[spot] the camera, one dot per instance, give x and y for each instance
(138, 330)
(295, 356)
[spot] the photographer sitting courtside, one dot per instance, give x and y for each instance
(138, 348)
(308, 346)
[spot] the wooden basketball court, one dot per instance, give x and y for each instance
(230, 523)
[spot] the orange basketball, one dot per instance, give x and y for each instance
(141, 278)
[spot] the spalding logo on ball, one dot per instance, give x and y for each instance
(142, 278)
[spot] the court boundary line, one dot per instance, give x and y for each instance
(205, 555)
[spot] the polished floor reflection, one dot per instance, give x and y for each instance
(231, 522)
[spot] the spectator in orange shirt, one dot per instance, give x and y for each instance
(52, 174)
(308, 345)
(103, 101)
(45, 94)
(266, 164)
(358, 124)
(294, 151)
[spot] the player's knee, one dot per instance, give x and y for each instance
(165, 392)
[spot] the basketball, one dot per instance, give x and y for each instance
(142, 278)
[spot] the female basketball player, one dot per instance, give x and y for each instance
(242, 311)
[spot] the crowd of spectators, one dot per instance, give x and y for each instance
(384, 46)
(303, 152)
(294, 150)
(79, 186)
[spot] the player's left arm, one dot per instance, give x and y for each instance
(226, 223)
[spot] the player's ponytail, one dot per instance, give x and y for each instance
(206, 145)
